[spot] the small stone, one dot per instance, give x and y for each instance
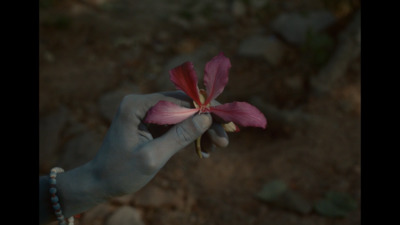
(48, 56)
(180, 22)
(272, 190)
(336, 204)
(122, 200)
(97, 214)
(154, 196)
(293, 27)
(268, 47)
(277, 193)
(125, 215)
(73, 128)
(97, 2)
(238, 8)
(275, 50)
(258, 4)
(293, 201)
(348, 48)
(295, 83)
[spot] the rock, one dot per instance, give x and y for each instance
(349, 99)
(292, 200)
(122, 200)
(253, 46)
(179, 21)
(97, 214)
(97, 2)
(48, 56)
(72, 128)
(295, 119)
(165, 216)
(153, 196)
(258, 4)
(80, 149)
(348, 48)
(125, 215)
(109, 102)
(277, 193)
(317, 48)
(336, 204)
(238, 8)
(50, 127)
(272, 190)
(268, 47)
(295, 83)
(293, 27)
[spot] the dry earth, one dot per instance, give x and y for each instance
(92, 53)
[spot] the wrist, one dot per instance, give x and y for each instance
(79, 189)
(46, 213)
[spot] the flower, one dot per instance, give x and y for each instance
(215, 79)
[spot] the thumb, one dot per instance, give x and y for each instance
(180, 136)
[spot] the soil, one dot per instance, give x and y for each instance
(89, 48)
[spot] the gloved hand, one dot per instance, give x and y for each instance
(130, 156)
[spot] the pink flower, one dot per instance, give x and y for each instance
(215, 79)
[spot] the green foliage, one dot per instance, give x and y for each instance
(317, 47)
(265, 13)
(46, 3)
(272, 190)
(186, 14)
(335, 204)
(59, 22)
(278, 194)
(335, 4)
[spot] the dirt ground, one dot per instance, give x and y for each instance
(88, 49)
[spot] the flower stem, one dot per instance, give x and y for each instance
(198, 147)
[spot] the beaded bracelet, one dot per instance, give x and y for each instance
(54, 198)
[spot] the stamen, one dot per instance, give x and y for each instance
(204, 109)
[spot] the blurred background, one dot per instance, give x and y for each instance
(297, 61)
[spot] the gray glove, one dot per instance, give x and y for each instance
(130, 156)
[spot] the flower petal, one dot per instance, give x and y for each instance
(241, 113)
(216, 76)
(184, 77)
(165, 112)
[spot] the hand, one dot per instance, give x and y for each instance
(131, 153)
